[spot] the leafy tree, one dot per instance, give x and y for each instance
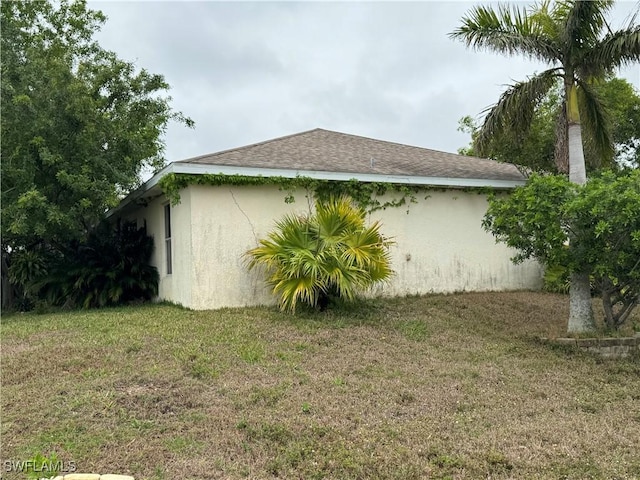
(534, 150)
(607, 217)
(623, 102)
(602, 221)
(78, 124)
(330, 253)
(574, 39)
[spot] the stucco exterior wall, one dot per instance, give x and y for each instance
(226, 222)
(440, 246)
(175, 287)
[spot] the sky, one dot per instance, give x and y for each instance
(247, 72)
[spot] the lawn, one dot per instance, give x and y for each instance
(456, 386)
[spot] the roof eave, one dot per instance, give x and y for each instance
(201, 169)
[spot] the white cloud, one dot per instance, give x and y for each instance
(247, 72)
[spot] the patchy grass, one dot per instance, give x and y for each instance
(455, 386)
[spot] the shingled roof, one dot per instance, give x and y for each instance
(323, 154)
(327, 151)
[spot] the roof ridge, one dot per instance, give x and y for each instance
(400, 144)
(318, 129)
(251, 145)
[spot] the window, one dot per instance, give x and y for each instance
(167, 236)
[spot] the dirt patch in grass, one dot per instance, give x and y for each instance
(455, 386)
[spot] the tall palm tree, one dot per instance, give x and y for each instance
(574, 39)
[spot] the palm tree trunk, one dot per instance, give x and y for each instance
(577, 170)
(581, 317)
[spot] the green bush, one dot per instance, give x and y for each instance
(27, 268)
(330, 253)
(110, 267)
(592, 229)
(556, 279)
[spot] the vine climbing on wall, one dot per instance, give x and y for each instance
(367, 195)
(370, 196)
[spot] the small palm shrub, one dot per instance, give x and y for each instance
(330, 253)
(26, 270)
(110, 267)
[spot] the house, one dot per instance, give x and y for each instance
(231, 199)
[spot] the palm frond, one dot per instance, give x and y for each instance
(347, 281)
(293, 290)
(583, 21)
(336, 218)
(507, 30)
(278, 250)
(596, 122)
(615, 50)
(366, 247)
(515, 107)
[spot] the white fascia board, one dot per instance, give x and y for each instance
(200, 169)
(195, 169)
(140, 191)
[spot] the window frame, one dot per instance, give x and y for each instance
(167, 239)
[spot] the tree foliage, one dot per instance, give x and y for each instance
(535, 149)
(575, 40)
(78, 124)
(78, 127)
(623, 105)
(593, 228)
(532, 151)
(330, 253)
